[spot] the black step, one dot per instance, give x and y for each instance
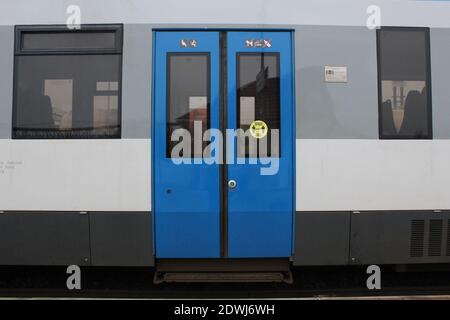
(221, 277)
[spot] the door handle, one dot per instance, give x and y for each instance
(232, 184)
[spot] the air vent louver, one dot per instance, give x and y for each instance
(448, 238)
(417, 238)
(435, 238)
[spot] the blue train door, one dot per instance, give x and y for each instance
(261, 177)
(186, 196)
(238, 204)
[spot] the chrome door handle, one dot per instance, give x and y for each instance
(232, 184)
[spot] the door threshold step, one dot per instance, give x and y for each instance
(221, 277)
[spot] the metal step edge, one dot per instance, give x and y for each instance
(221, 277)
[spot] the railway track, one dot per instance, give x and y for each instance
(137, 283)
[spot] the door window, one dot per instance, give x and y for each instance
(258, 99)
(188, 100)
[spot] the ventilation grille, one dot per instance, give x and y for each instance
(435, 238)
(448, 238)
(417, 237)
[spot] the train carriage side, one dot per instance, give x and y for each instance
(87, 170)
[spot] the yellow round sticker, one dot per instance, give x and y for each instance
(258, 129)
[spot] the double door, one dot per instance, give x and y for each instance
(223, 135)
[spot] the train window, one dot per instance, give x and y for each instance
(258, 98)
(68, 41)
(61, 94)
(404, 83)
(188, 102)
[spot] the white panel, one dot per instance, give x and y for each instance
(75, 175)
(259, 12)
(337, 175)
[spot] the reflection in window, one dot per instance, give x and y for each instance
(403, 65)
(60, 93)
(57, 97)
(187, 100)
(105, 112)
(258, 98)
(67, 95)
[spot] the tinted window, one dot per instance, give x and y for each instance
(405, 106)
(258, 98)
(187, 100)
(67, 95)
(64, 40)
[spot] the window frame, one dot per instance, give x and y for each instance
(429, 110)
(85, 28)
(19, 30)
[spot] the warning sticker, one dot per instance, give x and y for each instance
(258, 129)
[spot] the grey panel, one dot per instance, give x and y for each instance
(121, 239)
(336, 110)
(321, 238)
(36, 238)
(399, 237)
(440, 84)
(136, 81)
(6, 80)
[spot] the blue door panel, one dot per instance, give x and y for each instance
(260, 208)
(185, 196)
